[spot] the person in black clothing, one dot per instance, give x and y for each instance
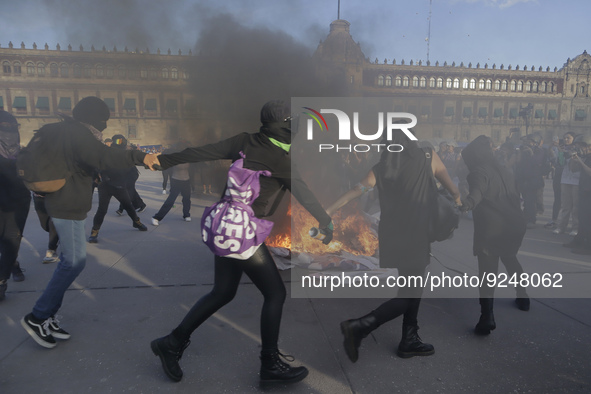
(529, 173)
(114, 183)
(84, 152)
(266, 150)
(405, 190)
(499, 224)
(15, 200)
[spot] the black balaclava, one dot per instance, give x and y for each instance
(93, 111)
(276, 120)
(478, 152)
(9, 136)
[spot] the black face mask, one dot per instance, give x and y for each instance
(100, 126)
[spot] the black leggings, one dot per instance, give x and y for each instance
(261, 269)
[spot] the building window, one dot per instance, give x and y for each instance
(165, 73)
(528, 86)
(580, 115)
(498, 113)
(425, 111)
(405, 82)
(552, 114)
(440, 83)
(77, 71)
(488, 84)
(398, 81)
(465, 83)
(17, 68)
(129, 106)
(520, 86)
(581, 89)
(30, 68)
(432, 82)
(41, 69)
(42, 105)
(174, 73)
(131, 131)
(415, 82)
(143, 73)
(449, 111)
(504, 85)
(121, 72)
(513, 86)
(153, 73)
(388, 80)
(171, 106)
(109, 71)
(380, 80)
(472, 84)
(64, 70)
(497, 85)
(456, 83)
(551, 87)
(100, 72)
(423, 82)
(513, 113)
(110, 104)
(53, 70)
(535, 87)
(20, 105)
(481, 84)
(151, 107)
(448, 83)
(87, 71)
(539, 114)
(6, 68)
(544, 87)
(467, 112)
(65, 104)
(482, 112)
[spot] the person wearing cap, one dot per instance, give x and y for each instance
(266, 150)
(15, 200)
(114, 184)
(581, 162)
(68, 207)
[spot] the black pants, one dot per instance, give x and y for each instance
(46, 222)
(490, 264)
(261, 269)
(530, 197)
(12, 224)
(106, 191)
(556, 181)
(583, 238)
(176, 187)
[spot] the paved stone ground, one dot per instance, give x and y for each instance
(138, 285)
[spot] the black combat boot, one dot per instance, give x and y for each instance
(411, 344)
(487, 319)
(139, 225)
(170, 350)
(354, 331)
(274, 370)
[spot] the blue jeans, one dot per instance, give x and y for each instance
(72, 261)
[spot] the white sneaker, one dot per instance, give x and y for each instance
(164, 191)
(557, 231)
(188, 219)
(573, 233)
(50, 257)
(155, 222)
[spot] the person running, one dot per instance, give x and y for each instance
(267, 150)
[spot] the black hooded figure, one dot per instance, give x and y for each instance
(499, 223)
(266, 150)
(405, 188)
(15, 199)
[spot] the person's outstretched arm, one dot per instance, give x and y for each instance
(362, 187)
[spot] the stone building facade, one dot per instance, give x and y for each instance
(151, 103)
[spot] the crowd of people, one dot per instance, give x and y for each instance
(501, 186)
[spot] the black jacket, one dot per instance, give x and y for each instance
(13, 193)
(261, 154)
(84, 153)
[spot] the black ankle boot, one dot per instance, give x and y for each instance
(170, 350)
(487, 318)
(411, 344)
(354, 331)
(522, 303)
(274, 370)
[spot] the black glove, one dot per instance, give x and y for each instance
(328, 231)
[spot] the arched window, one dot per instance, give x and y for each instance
(398, 81)
(143, 73)
(165, 73)
(77, 71)
(17, 67)
(53, 70)
(174, 73)
(380, 80)
(87, 71)
(432, 82)
(544, 87)
(30, 68)
(109, 71)
(405, 81)
(153, 73)
(456, 83)
(415, 82)
(513, 86)
(388, 80)
(465, 83)
(121, 72)
(481, 84)
(472, 84)
(488, 84)
(497, 85)
(520, 86)
(423, 82)
(504, 85)
(440, 83)
(535, 87)
(64, 71)
(528, 86)
(448, 83)
(551, 87)
(41, 69)
(6, 68)
(100, 72)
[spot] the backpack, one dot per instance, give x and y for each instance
(42, 163)
(229, 228)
